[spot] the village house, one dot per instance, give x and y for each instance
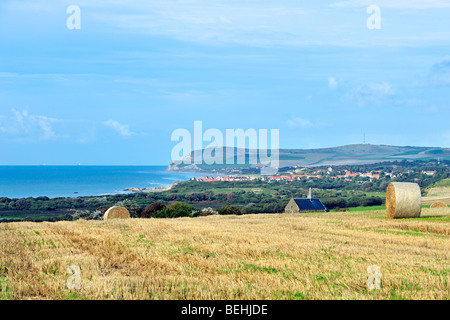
(309, 204)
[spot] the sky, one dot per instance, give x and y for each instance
(322, 72)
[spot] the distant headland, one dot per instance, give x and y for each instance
(353, 154)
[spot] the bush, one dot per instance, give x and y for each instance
(87, 215)
(132, 206)
(372, 201)
(273, 208)
(21, 204)
(207, 212)
(103, 210)
(152, 209)
(228, 210)
(42, 198)
(175, 210)
(252, 209)
(4, 200)
(196, 213)
(333, 203)
(337, 209)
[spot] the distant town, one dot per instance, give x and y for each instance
(318, 174)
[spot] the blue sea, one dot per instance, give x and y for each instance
(76, 181)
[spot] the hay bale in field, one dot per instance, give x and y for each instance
(116, 213)
(403, 200)
(438, 204)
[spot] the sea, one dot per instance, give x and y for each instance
(79, 181)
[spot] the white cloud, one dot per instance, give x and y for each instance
(45, 123)
(22, 124)
(211, 22)
(251, 23)
(122, 129)
(379, 89)
(429, 109)
(441, 72)
(299, 122)
(26, 127)
(332, 83)
(371, 94)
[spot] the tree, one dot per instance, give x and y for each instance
(273, 208)
(175, 210)
(229, 210)
(152, 209)
(22, 204)
(367, 185)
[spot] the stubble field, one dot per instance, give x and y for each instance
(279, 256)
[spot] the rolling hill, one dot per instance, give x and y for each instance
(354, 154)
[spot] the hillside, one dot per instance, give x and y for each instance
(355, 154)
(439, 191)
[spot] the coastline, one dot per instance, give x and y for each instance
(152, 189)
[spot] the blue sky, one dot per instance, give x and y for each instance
(138, 70)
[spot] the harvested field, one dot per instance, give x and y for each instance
(279, 256)
(440, 193)
(438, 204)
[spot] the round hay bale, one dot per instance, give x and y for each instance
(438, 204)
(403, 200)
(116, 213)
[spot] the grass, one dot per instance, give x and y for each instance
(438, 192)
(277, 256)
(414, 233)
(442, 183)
(364, 209)
(372, 208)
(5, 290)
(33, 215)
(437, 218)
